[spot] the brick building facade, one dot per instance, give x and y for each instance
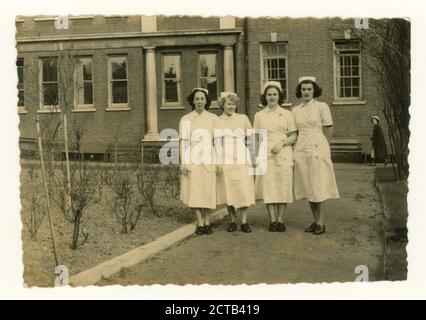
(134, 73)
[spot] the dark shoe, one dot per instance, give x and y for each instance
(199, 231)
(208, 229)
(232, 227)
(245, 228)
(319, 229)
(281, 227)
(273, 227)
(311, 228)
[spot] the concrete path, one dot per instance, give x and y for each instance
(354, 237)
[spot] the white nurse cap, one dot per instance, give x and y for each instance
(272, 83)
(201, 89)
(301, 79)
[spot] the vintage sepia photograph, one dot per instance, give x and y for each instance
(221, 150)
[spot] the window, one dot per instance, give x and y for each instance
(274, 64)
(118, 95)
(49, 82)
(347, 66)
(83, 82)
(208, 74)
(171, 81)
(21, 96)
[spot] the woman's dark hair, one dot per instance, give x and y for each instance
(317, 89)
(263, 96)
(190, 99)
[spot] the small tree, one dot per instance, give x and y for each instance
(388, 42)
(125, 206)
(33, 212)
(86, 188)
(147, 183)
(172, 181)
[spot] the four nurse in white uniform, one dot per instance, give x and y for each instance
(230, 180)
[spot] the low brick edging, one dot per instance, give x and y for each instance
(137, 255)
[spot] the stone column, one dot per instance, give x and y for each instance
(151, 95)
(228, 68)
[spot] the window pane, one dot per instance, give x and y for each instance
(171, 91)
(88, 93)
(21, 75)
(355, 92)
(347, 92)
(266, 52)
(348, 82)
(50, 94)
(347, 60)
(212, 87)
(87, 70)
(50, 71)
(355, 71)
(355, 60)
(119, 92)
(21, 101)
(118, 67)
(208, 65)
(171, 71)
(355, 82)
(171, 66)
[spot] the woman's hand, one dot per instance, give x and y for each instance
(218, 169)
(184, 170)
(277, 148)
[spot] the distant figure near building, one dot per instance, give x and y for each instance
(379, 153)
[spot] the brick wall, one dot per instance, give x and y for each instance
(170, 23)
(100, 126)
(310, 52)
(98, 24)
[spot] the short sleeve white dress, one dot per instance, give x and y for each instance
(276, 184)
(314, 177)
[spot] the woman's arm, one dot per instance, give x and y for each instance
(328, 132)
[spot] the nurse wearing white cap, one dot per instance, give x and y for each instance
(275, 186)
(235, 185)
(314, 177)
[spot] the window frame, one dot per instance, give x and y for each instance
(215, 102)
(112, 105)
(21, 109)
(263, 72)
(80, 106)
(45, 107)
(336, 71)
(171, 105)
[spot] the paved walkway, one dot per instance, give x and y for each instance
(354, 237)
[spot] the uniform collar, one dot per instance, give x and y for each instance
(202, 114)
(267, 109)
(309, 103)
(224, 116)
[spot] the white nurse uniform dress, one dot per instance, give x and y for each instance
(235, 185)
(198, 187)
(276, 184)
(314, 177)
